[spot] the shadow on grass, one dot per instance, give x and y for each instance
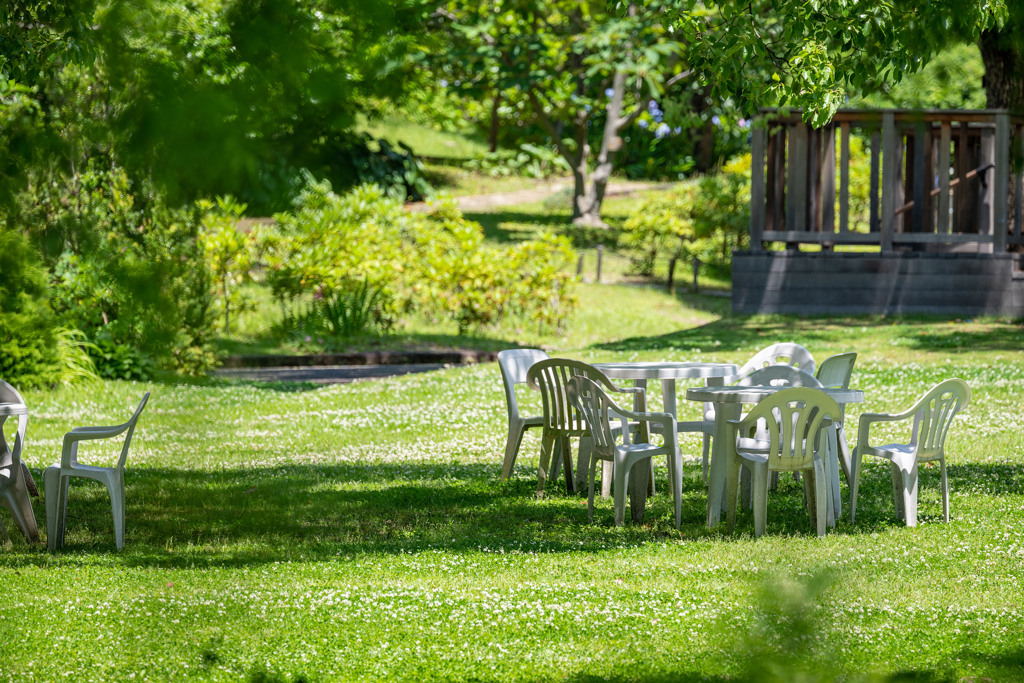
(251, 516)
(736, 333)
(517, 226)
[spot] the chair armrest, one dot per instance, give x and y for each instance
(90, 433)
(868, 419)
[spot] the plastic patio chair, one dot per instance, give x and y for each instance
(57, 476)
(784, 354)
(562, 420)
(933, 414)
(794, 420)
(836, 371)
(14, 493)
(598, 411)
(514, 364)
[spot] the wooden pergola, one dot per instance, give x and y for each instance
(943, 185)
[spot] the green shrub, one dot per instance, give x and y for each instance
(126, 269)
(368, 260)
(229, 252)
(28, 342)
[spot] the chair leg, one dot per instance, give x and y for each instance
(115, 487)
(705, 457)
(515, 440)
(897, 490)
(732, 483)
(945, 490)
(547, 446)
(820, 504)
(566, 448)
(855, 463)
(607, 467)
(619, 491)
(677, 486)
(909, 480)
(52, 491)
(760, 499)
(745, 488)
(590, 490)
(583, 462)
(845, 457)
(20, 506)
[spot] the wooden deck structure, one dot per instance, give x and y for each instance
(943, 228)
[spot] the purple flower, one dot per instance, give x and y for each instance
(715, 120)
(743, 123)
(609, 92)
(642, 123)
(662, 130)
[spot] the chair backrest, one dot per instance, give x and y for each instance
(9, 394)
(550, 378)
(597, 410)
(934, 414)
(514, 364)
(786, 353)
(791, 421)
(130, 424)
(779, 376)
(835, 371)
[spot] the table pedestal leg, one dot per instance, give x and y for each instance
(716, 479)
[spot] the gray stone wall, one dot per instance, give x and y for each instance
(889, 283)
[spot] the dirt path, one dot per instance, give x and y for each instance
(485, 202)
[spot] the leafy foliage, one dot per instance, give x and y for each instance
(364, 257)
(229, 252)
(126, 270)
(28, 344)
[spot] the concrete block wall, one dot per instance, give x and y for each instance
(879, 283)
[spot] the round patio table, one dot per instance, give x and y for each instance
(728, 406)
(667, 372)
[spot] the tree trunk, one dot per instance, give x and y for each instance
(492, 134)
(1004, 66)
(588, 206)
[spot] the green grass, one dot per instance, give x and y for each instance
(425, 140)
(361, 532)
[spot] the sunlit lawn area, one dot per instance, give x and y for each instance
(361, 532)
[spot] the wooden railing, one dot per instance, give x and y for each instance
(939, 180)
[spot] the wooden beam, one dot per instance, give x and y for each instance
(890, 179)
(1001, 183)
(757, 194)
(844, 177)
(828, 179)
(943, 170)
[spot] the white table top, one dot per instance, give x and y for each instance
(7, 409)
(666, 370)
(742, 394)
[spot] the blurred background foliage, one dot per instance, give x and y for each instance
(136, 138)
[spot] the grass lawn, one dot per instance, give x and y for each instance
(361, 532)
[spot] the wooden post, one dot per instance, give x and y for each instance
(828, 179)
(844, 177)
(986, 196)
(890, 179)
(918, 180)
(1018, 186)
(876, 154)
(942, 226)
(757, 194)
(1001, 182)
(796, 179)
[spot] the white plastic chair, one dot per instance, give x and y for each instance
(562, 420)
(782, 354)
(933, 414)
(57, 476)
(598, 411)
(794, 421)
(836, 371)
(13, 490)
(514, 364)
